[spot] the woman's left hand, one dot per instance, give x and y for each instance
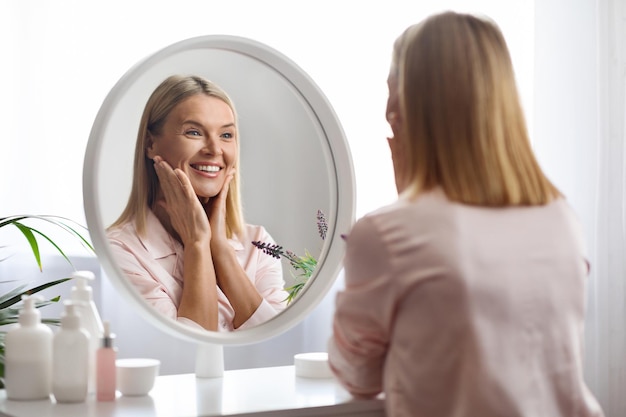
(216, 212)
(183, 208)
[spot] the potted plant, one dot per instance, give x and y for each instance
(9, 312)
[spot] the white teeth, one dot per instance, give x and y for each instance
(207, 168)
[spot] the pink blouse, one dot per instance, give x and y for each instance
(154, 264)
(456, 310)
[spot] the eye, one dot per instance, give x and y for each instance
(227, 135)
(193, 132)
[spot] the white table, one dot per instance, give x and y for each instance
(256, 392)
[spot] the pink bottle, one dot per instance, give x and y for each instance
(105, 366)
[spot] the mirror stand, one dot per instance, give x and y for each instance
(209, 360)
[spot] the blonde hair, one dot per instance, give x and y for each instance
(463, 123)
(165, 97)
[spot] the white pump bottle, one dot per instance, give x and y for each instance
(70, 358)
(28, 355)
(82, 297)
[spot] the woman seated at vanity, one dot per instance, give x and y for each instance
(182, 240)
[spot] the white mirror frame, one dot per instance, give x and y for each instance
(330, 260)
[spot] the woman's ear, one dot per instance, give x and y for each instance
(150, 151)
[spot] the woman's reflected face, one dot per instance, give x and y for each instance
(199, 137)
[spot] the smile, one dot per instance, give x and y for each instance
(207, 168)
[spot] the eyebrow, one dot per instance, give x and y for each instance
(195, 123)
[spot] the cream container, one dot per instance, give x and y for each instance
(312, 365)
(136, 376)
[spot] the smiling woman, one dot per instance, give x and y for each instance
(181, 240)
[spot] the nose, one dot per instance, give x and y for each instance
(212, 146)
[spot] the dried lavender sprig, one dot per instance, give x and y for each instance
(292, 258)
(274, 250)
(322, 224)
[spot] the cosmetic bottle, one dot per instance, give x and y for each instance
(70, 358)
(82, 297)
(105, 366)
(28, 355)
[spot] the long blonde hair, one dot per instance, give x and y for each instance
(463, 123)
(165, 97)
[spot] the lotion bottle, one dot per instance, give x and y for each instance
(105, 366)
(70, 354)
(28, 355)
(82, 297)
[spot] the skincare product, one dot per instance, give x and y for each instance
(105, 366)
(136, 376)
(28, 355)
(70, 358)
(312, 365)
(82, 297)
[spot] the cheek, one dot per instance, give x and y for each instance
(170, 151)
(230, 154)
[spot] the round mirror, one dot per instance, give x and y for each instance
(295, 161)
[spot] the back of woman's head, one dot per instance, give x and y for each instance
(171, 92)
(462, 119)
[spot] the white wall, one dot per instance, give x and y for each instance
(579, 135)
(61, 58)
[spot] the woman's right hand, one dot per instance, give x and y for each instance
(186, 214)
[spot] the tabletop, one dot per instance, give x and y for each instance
(258, 392)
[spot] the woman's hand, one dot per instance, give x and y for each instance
(186, 214)
(215, 210)
(230, 275)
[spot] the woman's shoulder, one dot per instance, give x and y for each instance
(428, 204)
(121, 230)
(427, 211)
(129, 228)
(256, 232)
(561, 212)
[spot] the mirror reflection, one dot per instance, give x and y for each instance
(284, 172)
(182, 240)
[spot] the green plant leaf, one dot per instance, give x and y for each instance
(5, 221)
(62, 222)
(58, 221)
(32, 241)
(11, 294)
(55, 245)
(83, 239)
(11, 315)
(18, 297)
(293, 291)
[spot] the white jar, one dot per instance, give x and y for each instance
(28, 355)
(70, 359)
